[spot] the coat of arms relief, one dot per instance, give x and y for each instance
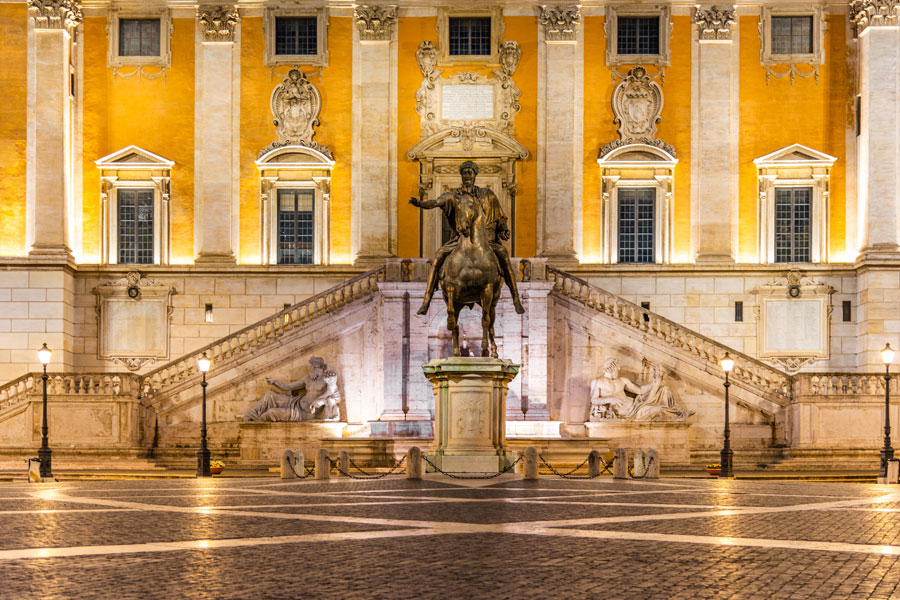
(295, 106)
(637, 103)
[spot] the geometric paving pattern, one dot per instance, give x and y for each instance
(443, 538)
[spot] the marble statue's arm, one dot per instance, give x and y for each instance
(290, 386)
(635, 388)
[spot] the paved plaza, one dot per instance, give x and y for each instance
(443, 538)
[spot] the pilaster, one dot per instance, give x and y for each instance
(876, 25)
(716, 140)
(215, 212)
(49, 189)
(374, 179)
(560, 113)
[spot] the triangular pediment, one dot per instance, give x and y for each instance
(468, 142)
(795, 155)
(133, 157)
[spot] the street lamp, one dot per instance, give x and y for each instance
(44, 454)
(203, 452)
(726, 455)
(887, 453)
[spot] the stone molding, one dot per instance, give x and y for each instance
(611, 28)
(375, 23)
(873, 13)
(560, 22)
(714, 22)
(55, 14)
(217, 23)
(295, 105)
(811, 315)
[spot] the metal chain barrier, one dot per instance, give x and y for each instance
(365, 475)
(647, 464)
(310, 471)
(568, 474)
(485, 476)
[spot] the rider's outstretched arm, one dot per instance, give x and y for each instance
(437, 202)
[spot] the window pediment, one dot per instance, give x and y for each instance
(795, 155)
(464, 142)
(639, 155)
(133, 157)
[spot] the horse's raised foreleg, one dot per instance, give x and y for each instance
(487, 320)
(452, 311)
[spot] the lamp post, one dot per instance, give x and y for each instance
(203, 452)
(44, 454)
(726, 455)
(887, 453)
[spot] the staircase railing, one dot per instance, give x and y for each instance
(823, 385)
(69, 384)
(263, 331)
(746, 369)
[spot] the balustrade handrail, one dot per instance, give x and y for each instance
(273, 326)
(843, 384)
(746, 368)
(74, 384)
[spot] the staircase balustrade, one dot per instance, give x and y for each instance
(842, 384)
(69, 384)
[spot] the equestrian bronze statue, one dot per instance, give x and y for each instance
(473, 264)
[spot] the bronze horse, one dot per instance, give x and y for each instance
(471, 274)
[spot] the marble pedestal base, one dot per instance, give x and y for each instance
(470, 413)
(263, 443)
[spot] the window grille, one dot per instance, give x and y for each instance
(637, 208)
(296, 35)
(296, 229)
(135, 223)
(637, 35)
(792, 35)
(470, 36)
(139, 37)
(793, 208)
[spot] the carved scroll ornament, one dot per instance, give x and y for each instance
(217, 23)
(55, 14)
(560, 22)
(873, 13)
(375, 23)
(714, 22)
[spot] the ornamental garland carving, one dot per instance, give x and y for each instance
(873, 13)
(505, 93)
(560, 22)
(714, 22)
(217, 23)
(295, 105)
(55, 14)
(375, 23)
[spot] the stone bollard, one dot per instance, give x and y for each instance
(323, 464)
(343, 463)
(288, 460)
(640, 467)
(414, 463)
(300, 463)
(594, 464)
(652, 464)
(620, 466)
(531, 462)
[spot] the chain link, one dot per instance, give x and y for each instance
(334, 463)
(308, 472)
(568, 474)
(457, 476)
(646, 469)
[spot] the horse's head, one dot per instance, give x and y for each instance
(466, 213)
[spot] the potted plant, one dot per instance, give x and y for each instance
(216, 466)
(714, 469)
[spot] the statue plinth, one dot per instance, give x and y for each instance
(470, 412)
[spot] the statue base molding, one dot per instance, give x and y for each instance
(262, 443)
(670, 438)
(470, 413)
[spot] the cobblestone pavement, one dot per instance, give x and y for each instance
(443, 538)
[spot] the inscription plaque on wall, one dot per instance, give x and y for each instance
(794, 326)
(467, 102)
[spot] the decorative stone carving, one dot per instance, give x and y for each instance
(713, 22)
(446, 103)
(614, 397)
(217, 23)
(637, 102)
(560, 22)
(133, 315)
(794, 320)
(375, 23)
(313, 397)
(643, 140)
(873, 13)
(55, 14)
(295, 105)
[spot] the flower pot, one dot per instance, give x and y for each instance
(714, 472)
(216, 470)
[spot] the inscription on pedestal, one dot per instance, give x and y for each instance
(467, 102)
(793, 326)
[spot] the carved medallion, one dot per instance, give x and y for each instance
(296, 104)
(637, 102)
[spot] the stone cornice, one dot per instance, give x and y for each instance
(375, 23)
(714, 22)
(55, 14)
(217, 23)
(560, 22)
(873, 13)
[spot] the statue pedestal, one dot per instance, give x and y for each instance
(470, 413)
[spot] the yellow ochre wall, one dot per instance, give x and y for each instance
(412, 31)
(780, 114)
(13, 127)
(153, 114)
(599, 130)
(335, 83)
